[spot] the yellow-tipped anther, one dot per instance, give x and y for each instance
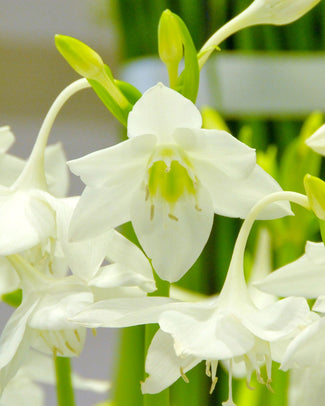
(80, 56)
(315, 190)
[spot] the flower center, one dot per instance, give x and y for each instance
(169, 177)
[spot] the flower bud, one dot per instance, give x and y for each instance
(80, 56)
(315, 190)
(170, 45)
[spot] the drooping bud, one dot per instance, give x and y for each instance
(80, 56)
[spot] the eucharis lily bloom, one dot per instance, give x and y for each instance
(228, 327)
(25, 217)
(169, 179)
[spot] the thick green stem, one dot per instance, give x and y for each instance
(64, 387)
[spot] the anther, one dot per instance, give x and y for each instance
(70, 348)
(94, 331)
(172, 217)
(77, 335)
(213, 384)
(185, 378)
(197, 208)
(147, 193)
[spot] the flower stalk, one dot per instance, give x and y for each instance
(64, 389)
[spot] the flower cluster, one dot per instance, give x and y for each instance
(65, 268)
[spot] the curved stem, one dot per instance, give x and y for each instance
(243, 20)
(235, 275)
(33, 173)
(64, 387)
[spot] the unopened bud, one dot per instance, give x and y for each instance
(80, 56)
(317, 140)
(170, 44)
(315, 189)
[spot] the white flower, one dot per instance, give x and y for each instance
(168, 179)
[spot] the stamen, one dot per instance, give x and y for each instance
(172, 217)
(94, 331)
(213, 384)
(197, 208)
(70, 348)
(147, 194)
(77, 335)
(185, 378)
(230, 401)
(208, 368)
(268, 385)
(152, 211)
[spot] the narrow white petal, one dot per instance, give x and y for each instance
(115, 164)
(101, 209)
(220, 149)
(124, 312)
(21, 391)
(173, 243)
(159, 111)
(235, 197)
(303, 277)
(163, 365)
(10, 169)
(14, 331)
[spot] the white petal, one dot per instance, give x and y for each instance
(21, 391)
(120, 275)
(162, 364)
(307, 348)
(10, 169)
(124, 312)
(115, 164)
(25, 221)
(123, 251)
(235, 197)
(9, 280)
(315, 252)
(278, 320)
(206, 335)
(54, 309)
(173, 245)
(319, 305)
(7, 138)
(317, 140)
(220, 149)
(56, 170)
(303, 277)
(161, 110)
(101, 209)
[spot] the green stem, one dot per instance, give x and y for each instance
(162, 398)
(64, 387)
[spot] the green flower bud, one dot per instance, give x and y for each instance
(80, 56)
(315, 190)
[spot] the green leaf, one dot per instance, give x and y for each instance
(188, 81)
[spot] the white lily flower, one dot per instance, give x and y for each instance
(25, 217)
(168, 179)
(41, 321)
(228, 327)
